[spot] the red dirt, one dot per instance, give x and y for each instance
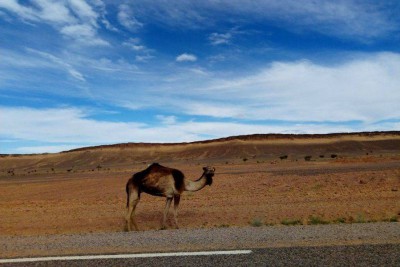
(353, 186)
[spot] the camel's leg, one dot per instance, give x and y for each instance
(130, 216)
(177, 198)
(167, 205)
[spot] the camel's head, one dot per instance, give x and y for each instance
(209, 173)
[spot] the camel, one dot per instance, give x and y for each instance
(162, 181)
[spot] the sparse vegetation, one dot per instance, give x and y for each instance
(316, 220)
(291, 222)
(340, 220)
(307, 158)
(360, 219)
(256, 222)
(327, 186)
(392, 219)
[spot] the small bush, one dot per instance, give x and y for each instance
(316, 220)
(291, 222)
(333, 156)
(340, 220)
(283, 157)
(392, 219)
(307, 158)
(256, 222)
(360, 219)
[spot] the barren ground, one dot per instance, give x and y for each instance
(353, 188)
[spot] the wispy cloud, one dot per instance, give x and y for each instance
(311, 66)
(64, 65)
(350, 19)
(186, 57)
(127, 19)
(220, 38)
(167, 119)
(84, 34)
(84, 11)
(143, 53)
(74, 19)
(135, 44)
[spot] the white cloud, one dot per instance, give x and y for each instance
(74, 19)
(24, 12)
(83, 33)
(363, 88)
(84, 11)
(53, 12)
(353, 19)
(136, 45)
(166, 119)
(60, 63)
(143, 58)
(220, 38)
(127, 19)
(186, 57)
(64, 128)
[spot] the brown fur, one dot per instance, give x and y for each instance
(158, 180)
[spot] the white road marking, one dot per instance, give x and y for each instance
(127, 256)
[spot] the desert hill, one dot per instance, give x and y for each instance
(260, 180)
(259, 148)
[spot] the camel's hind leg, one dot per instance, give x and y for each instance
(167, 205)
(134, 198)
(177, 198)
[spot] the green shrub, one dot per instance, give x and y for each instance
(291, 222)
(340, 220)
(361, 218)
(316, 220)
(256, 222)
(392, 219)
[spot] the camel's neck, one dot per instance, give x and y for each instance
(196, 185)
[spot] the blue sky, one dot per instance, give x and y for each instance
(78, 73)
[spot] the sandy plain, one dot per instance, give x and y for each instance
(348, 179)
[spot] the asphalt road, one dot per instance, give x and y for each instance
(356, 255)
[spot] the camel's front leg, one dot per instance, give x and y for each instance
(167, 205)
(177, 198)
(130, 216)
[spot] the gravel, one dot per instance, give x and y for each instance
(200, 239)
